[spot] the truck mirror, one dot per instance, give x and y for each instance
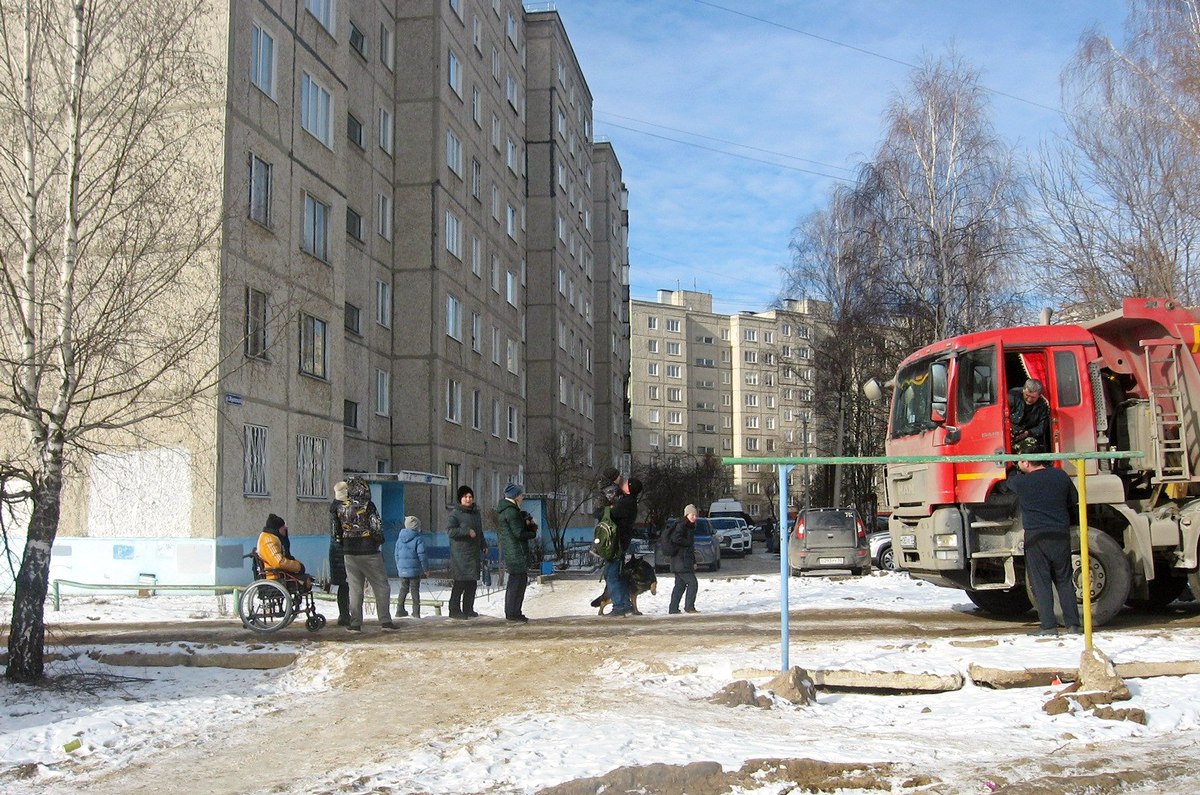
(938, 374)
(872, 390)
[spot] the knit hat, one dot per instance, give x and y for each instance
(609, 475)
(412, 523)
(464, 491)
(513, 490)
(274, 522)
(341, 490)
(689, 509)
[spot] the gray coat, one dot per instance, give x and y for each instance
(464, 550)
(683, 538)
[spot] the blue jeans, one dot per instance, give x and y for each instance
(617, 591)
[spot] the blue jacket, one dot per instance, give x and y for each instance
(410, 554)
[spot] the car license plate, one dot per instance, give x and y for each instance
(830, 561)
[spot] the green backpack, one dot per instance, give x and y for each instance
(606, 544)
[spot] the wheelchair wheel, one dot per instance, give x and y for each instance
(266, 606)
(314, 622)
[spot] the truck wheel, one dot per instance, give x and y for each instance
(1011, 603)
(1163, 589)
(1111, 577)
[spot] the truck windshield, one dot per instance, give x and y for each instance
(912, 400)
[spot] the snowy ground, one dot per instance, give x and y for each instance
(654, 706)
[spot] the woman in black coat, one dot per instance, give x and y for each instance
(467, 547)
(337, 560)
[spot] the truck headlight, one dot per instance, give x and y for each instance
(946, 541)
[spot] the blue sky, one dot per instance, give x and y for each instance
(719, 73)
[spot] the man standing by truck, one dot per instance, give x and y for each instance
(1047, 498)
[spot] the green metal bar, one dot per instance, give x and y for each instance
(932, 459)
(56, 596)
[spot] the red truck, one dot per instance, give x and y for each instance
(1126, 381)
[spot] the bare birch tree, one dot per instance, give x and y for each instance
(108, 224)
(1117, 209)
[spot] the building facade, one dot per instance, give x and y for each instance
(703, 383)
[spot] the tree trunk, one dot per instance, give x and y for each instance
(27, 634)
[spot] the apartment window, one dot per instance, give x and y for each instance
(512, 423)
(496, 418)
(673, 325)
(354, 224)
(752, 422)
(674, 371)
(262, 60)
(750, 335)
(769, 337)
(512, 356)
(476, 256)
(354, 130)
(476, 409)
(652, 416)
(751, 401)
(510, 157)
(383, 303)
(750, 357)
(675, 417)
(352, 319)
(385, 130)
(453, 401)
(383, 393)
(260, 190)
(312, 466)
(511, 222)
(316, 220)
(476, 106)
(496, 275)
(495, 201)
(674, 394)
(383, 215)
(476, 332)
(652, 393)
(562, 389)
(476, 181)
(453, 234)
(454, 152)
(652, 368)
(453, 318)
(358, 40)
(495, 346)
(752, 379)
(256, 323)
(477, 34)
(312, 346)
(674, 440)
(349, 414)
(495, 132)
(323, 10)
(510, 287)
(254, 460)
(752, 443)
(672, 349)
(652, 323)
(386, 48)
(453, 72)
(315, 106)
(725, 335)
(652, 346)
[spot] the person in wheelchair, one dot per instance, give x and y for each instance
(275, 551)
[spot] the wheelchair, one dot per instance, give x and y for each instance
(268, 605)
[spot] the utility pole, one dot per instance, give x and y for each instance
(804, 452)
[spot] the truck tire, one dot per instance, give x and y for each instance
(1111, 578)
(1012, 603)
(1163, 589)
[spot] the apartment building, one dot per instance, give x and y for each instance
(407, 265)
(703, 383)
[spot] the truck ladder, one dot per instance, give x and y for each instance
(1169, 435)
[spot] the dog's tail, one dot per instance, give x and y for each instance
(600, 599)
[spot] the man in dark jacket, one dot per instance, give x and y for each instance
(515, 534)
(1029, 414)
(337, 562)
(1048, 498)
(681, 539)
(624, 514)
(467, 546)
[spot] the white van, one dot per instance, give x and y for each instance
(726, 507)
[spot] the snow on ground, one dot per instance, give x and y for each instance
(160, 708)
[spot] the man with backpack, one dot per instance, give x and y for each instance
(681, 544)
(360, 533)
(623, 513)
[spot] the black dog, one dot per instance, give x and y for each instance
(639, 577)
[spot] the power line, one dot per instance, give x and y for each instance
(864, 51)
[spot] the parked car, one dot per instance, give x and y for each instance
(829, 538)
(707, 548)
(733, 535)
(768, 532)
(882, 555)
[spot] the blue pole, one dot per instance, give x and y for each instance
(784, 538)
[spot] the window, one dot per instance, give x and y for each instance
(358, 40)
(752, 379)
(383, 303)
(475, 178)
(312, 346)
(752, 443)
(511, 222)
(353, 224)
(769, 337)
(476, 332)
(386, 49)
(495, 346)
(752, 422)
(675, 417)
(750, 335)
(260, 190)
(315, 106)
(476, 106)
(454, 152)
(453, 234)
(476, 409)
(453, 72)
(385, 130)
(751, 401)
(513, 351)
(477, 34)
(354, 130)
(254, 460)
(256, 323)
(673, 325)
(652, 368)
(652, 323)
(512, 423)
(496, 418)
(510, 287)
(674, 440)
(312, 466)
(316, 217)
(674, 371)
(383, 215)
(672, 349)
(352, 319)
(349, 414)
(453, 318)
(456, 6)
(476, 256)
(383, 393)
(674, 394)
(453, 401)
(323, 11)
(262, 60)
(652, 393)
(750, 357)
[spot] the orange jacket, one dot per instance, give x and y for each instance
(270, 549)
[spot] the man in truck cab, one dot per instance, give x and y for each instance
(1029, 414)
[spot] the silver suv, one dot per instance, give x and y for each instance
(829, 538)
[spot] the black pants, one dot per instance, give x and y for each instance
(343, 603)
(1048, 565)
(514, 593)
(462, 597)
